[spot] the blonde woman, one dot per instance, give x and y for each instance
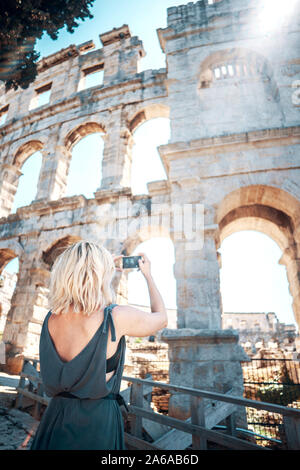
(82, 329)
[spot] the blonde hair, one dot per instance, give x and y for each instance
(81, 279)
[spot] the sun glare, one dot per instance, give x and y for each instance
(274, 14)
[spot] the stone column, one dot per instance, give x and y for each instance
(291, 260)
(6, 291)
(54, 171)
(121, 53)
(9, 179)
(116, 165)
(26, 315)
(197, 275)
(201, 354)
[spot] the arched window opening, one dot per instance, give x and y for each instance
(236, 69)
(251, 279)
(27, 184)
(160, 251)
(85, 169)
(146, 162)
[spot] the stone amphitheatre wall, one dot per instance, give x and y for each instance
(231, 93)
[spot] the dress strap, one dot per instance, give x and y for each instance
(108, 318)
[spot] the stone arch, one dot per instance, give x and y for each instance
(25, 151)
(262, 195)
(274, 223)
(6, 255)
(274, 212)
(11, 172)
(57, 247)
(80, 131)
(146, 113)
(142, 233)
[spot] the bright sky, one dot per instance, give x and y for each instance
(142, 16)
(251, 278)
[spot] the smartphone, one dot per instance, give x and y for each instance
(131, 262)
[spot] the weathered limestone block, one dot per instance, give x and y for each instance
(9, 177)
(116, 154)
(53, 175)
(291, 259)
(6, 292)
(23, 326)
(207, 359)
(197, 274)
(121, 54)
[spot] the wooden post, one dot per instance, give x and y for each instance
(231, 424)
(198, 417)
(148, 392)
(30, 385)
(136, 398)
(292, 432)
(37, 406)
(19, 399)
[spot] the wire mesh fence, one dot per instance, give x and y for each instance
(274, 381)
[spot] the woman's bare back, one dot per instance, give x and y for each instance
(71, 332)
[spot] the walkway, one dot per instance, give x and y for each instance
(16, 427)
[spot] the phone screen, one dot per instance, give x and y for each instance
(131, 261)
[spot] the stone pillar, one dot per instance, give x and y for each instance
(207, 359)
(6, 291)
(116, 164)
(54, 172)
(9, 179)
(201, 354)
(26, 315)
(197, 274)
(291, 260)
(122, 53)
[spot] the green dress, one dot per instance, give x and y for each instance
(87, 415)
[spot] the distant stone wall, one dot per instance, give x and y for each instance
(147, 358)
(259, 330)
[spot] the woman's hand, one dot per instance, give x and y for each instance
(144, 265)
(115, 258)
